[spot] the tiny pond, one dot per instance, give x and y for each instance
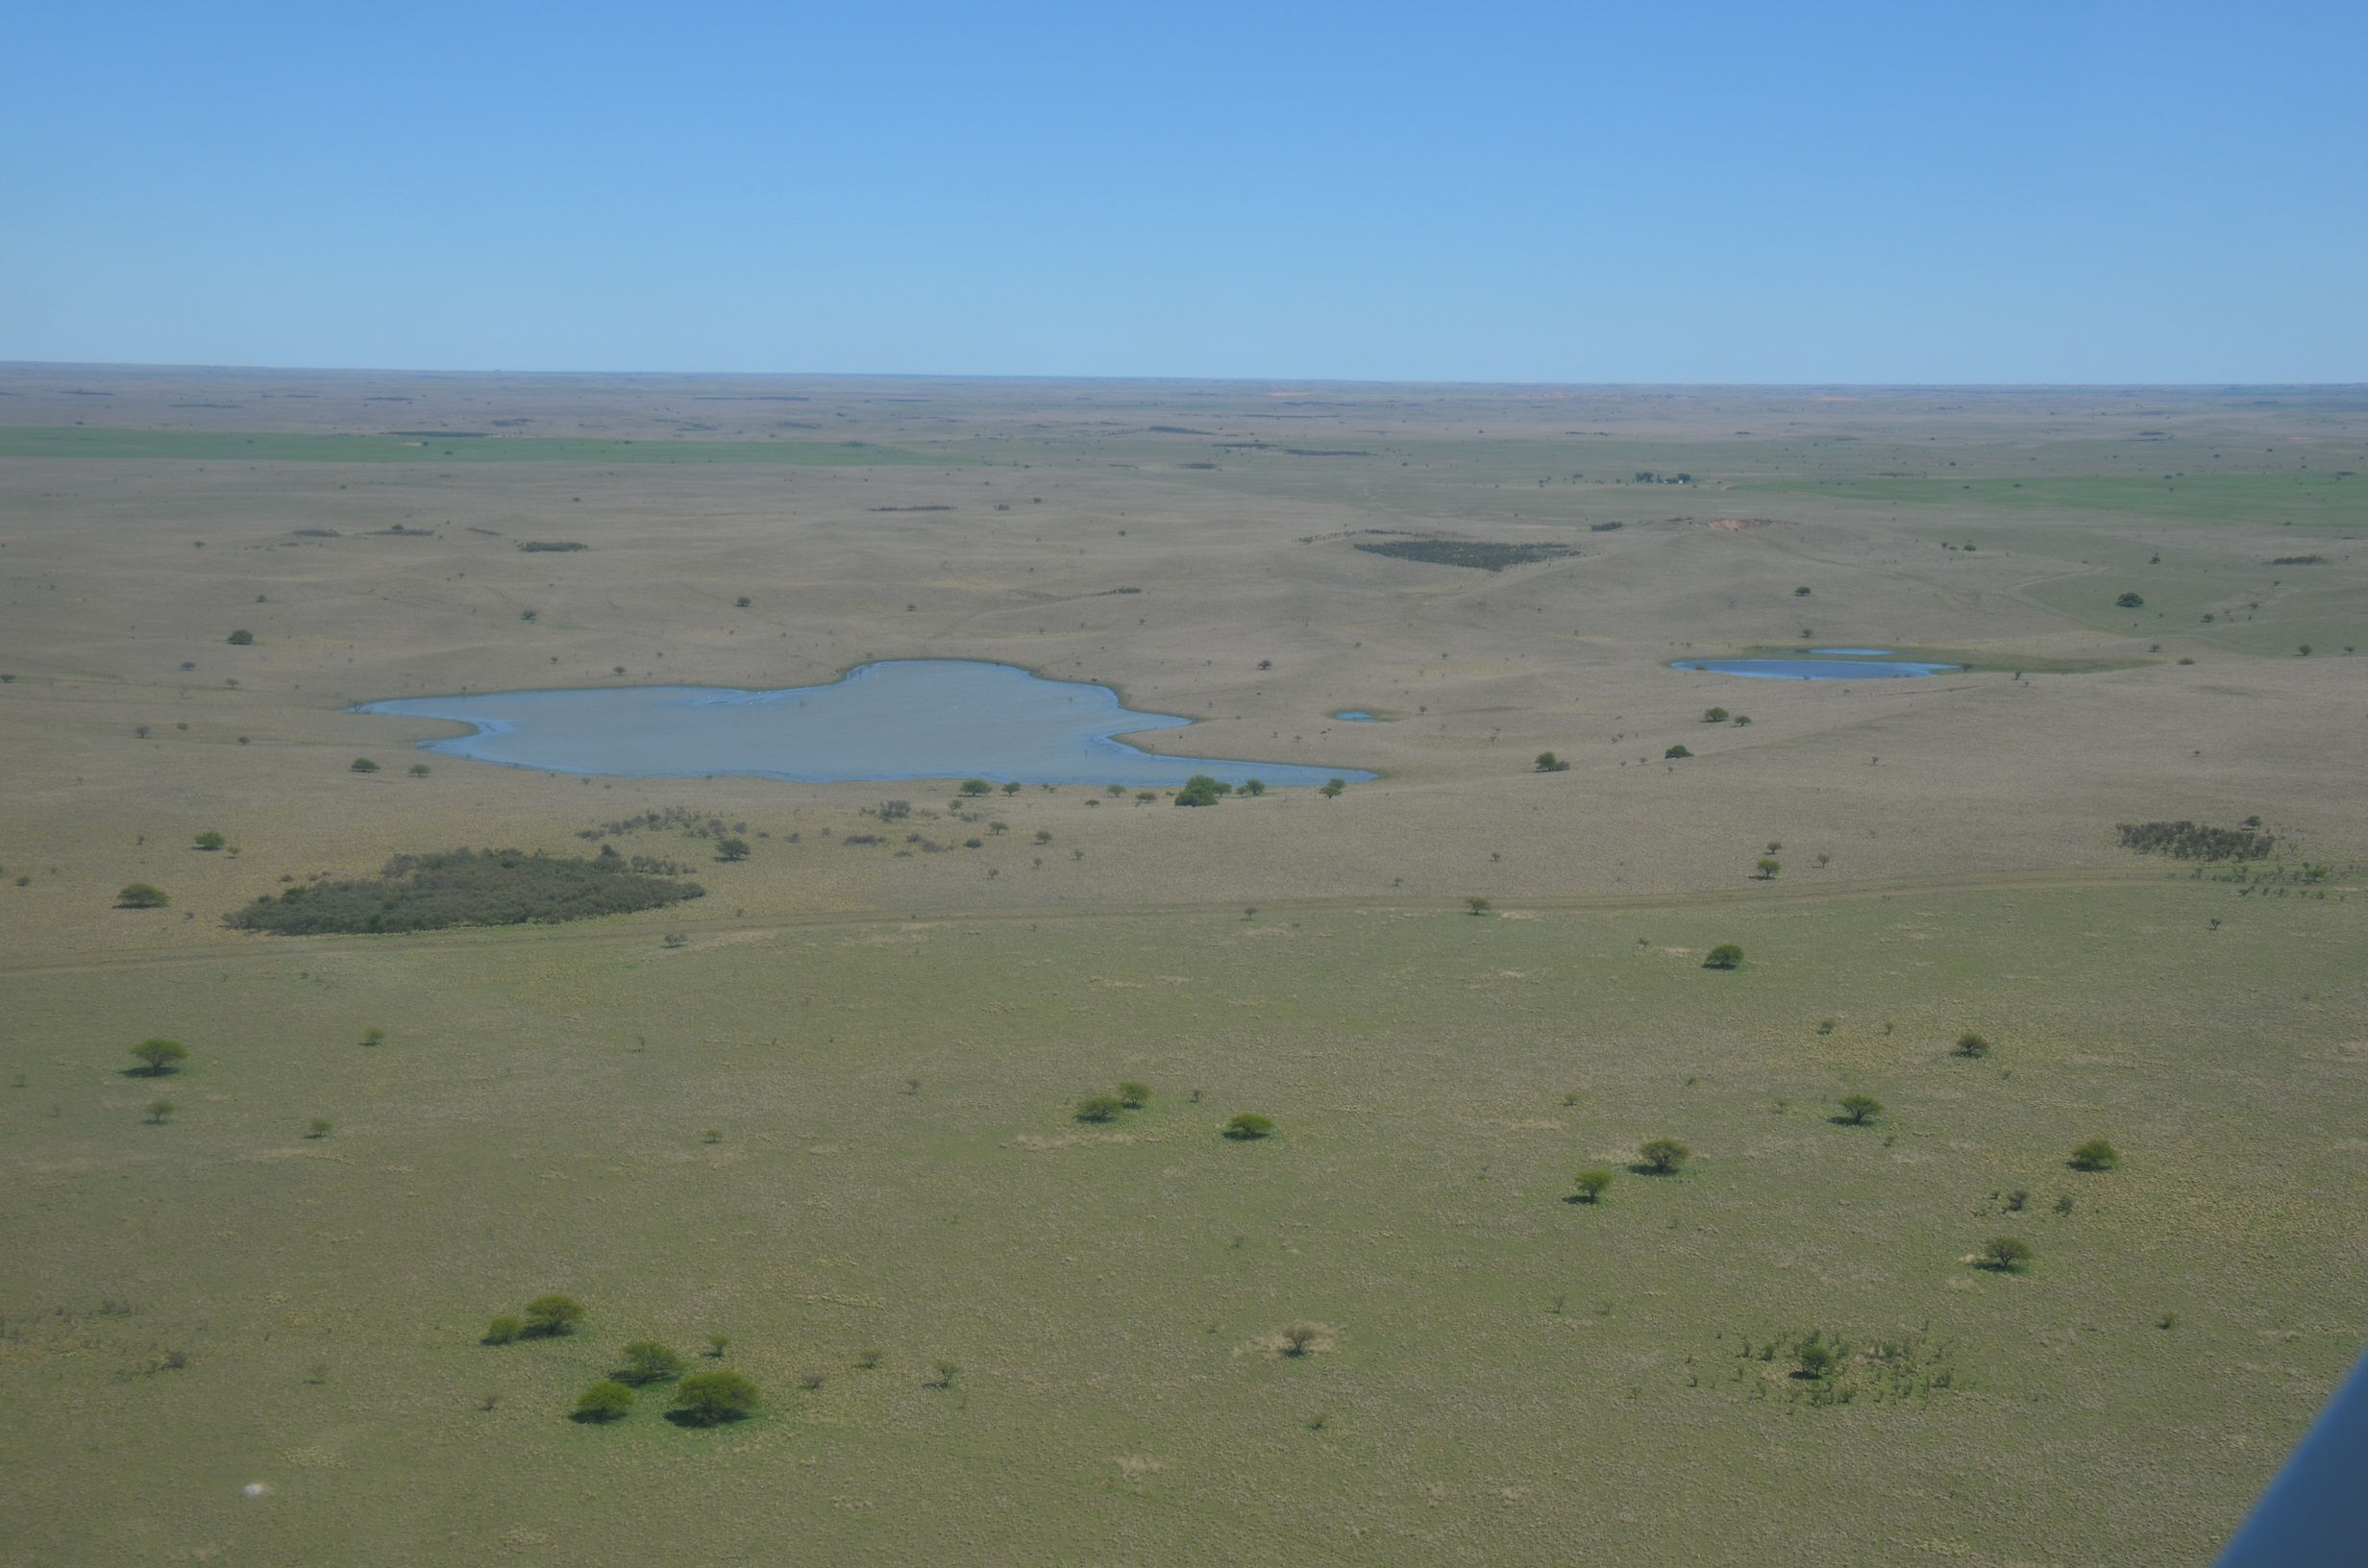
(1820, 663)
(897, 719)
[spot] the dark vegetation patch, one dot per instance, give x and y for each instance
(469, 886)
(1605, 527)
(540, 546)
(1196, 465)
(316, 533)
(2191, 840)
(1319, 451)
(402, 532)
(1481, 553)
(1174, 430)
(445, 435)
(912, 508)
(2300, 560)
(683, 819)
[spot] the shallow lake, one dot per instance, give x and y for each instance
(898, 720)
(1814, 669)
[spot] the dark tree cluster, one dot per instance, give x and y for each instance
(2191, 840)
(464, 886)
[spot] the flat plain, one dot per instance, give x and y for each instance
(827, 1110)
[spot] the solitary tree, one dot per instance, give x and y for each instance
(363, 764)
(1099, 1107)
(2095, 1154)
(374, 1036)
(554, 1315)
(1857, 1108)
(503, 1330)
(1011, 786)
(2131, 601)
(1592, 1184)
(1769, 866)
(1248, 1125)
(1201, 790)
(2005, 1254)
(1301, 1339)
(1549, 763)
(319, 1127)
(1133, 1095)
(1677, 752)
(1478, 906)
(240, 638)
(1714, 716)
(733, 849)
(1664, 1156)
(712, 1397)
(605, 1401)
(1725, 956)
(1332, 788)
(645, 1361)
(159, 1057)
(1254, 786)
(140, 895)
(976, 786)
(211, 840)
(1971, 1044)
(1814, 1356)
(158, 1110)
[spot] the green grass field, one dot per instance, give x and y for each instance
(2308, 499)
(285, 447)
(1509, 1375)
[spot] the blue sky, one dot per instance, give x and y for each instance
(1903, 192)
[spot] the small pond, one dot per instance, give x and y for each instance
(1356, 716)
(899, 720)
(1815, 668)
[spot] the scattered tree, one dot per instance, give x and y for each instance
(319, 1127)
(1714, 716)
(1478, 906)
(645, 1361)
(1301, 1339)
(1332, 788)
(603, 1401)
(1677, 752)
(160, 1111)
(1254, 786)
(1549, 763)
(2005, 1254)
(741, 603)
(1725, 956)
(419, 769)
(159, 1057)
(2129, 601)
(1769, 866)
(138, 896)
(733, 849)
(1664, 1156)
(1971, 1044)
(1814, 1358)
(1201, 790)
(211, 840)
(1099, 1107)
(374, 1036)
(716, 1344)
(240, 638)
(1133, 1095)
(943, 1373)
(554, 1315)
(2095, 1154)
(1011, 786)
(502, 1331)
(1593, 1184)
(1857, 1108)
(363, 764)
(1800, 593)
(1248, 1125)
(976, 786)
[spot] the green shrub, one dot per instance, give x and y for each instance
(419, 769)
(1971, 1044)
(1725, 956)
(1857, 1108)
(1250, 1125)
(733, 849)
(468, 887)
(2095, 1154)
(1254, 786)
(159, 1111)
(1133, 1095)
(1201, 790)
(2005, 1254)
(136, 895)
(240, 638)
(159, 1057)
(1332, 788)
(1714, 716)
(1769, 866)
(708, 1398)
(319, 1127)
(1814, 1358)
(603, 1401)
(554, 1315)
(1663, 1156)
(1549, 763)
(2129, 601)
(1593, 1184)
(502, 1331)
(976, 786)
(211, 840)
(362, 765)
(1098, 1108)
(1677, 752)
(645, 1361)
(1478, 906)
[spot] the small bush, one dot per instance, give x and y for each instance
(374, 1036)
(1300, 1338)
(1332, 788)
(645, 1361)
(419, 769)
(1478, 906)
(502, 1331)
(1254, 786)
(1133, 1095)
(211, 840)
(1813, 1358)
(319, 1127)
(362, 765)
(159, 1057)
(1971, 1044)
(976, 786)
(733, 849)
(2095, 1154)
(554, 1315)
(1593, 1183)
(603, 1401)
(2005, 1254)
(1201, 790)
(1250, 1125)
(1725, 956)
(717, 1343)
(2129, 601)
(1677, 752)
(1769, 866)
(942, 1375)
(1663, 1156)
(1857, 1108)
(1099, 1107)
(710, 1398)
(1549, 763)
(137, 896)
(1715, 716)
(159, 1111)
(240, 638)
